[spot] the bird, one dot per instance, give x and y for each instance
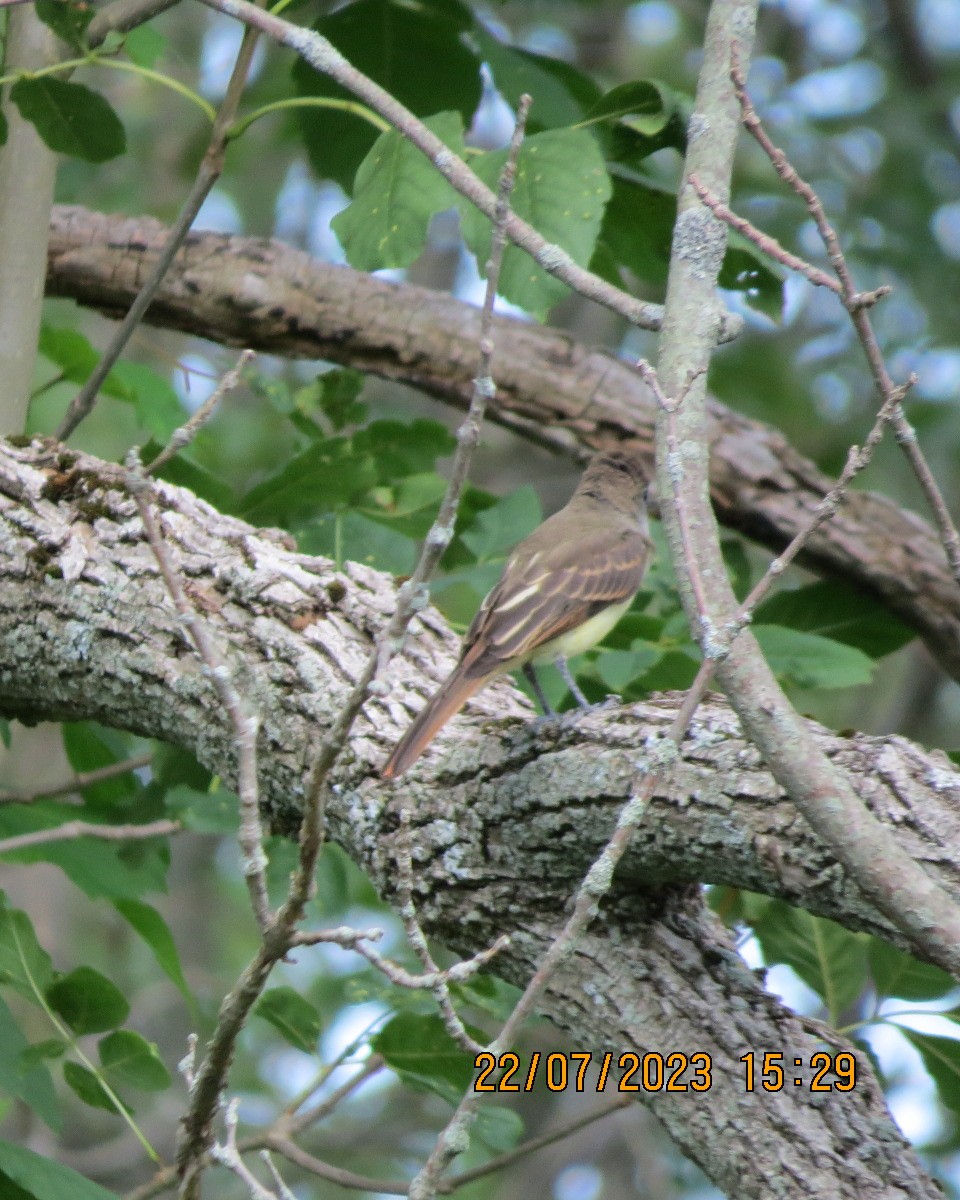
(562, 590)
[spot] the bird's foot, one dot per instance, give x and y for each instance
(609, 701)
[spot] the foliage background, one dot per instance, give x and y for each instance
(865, 98)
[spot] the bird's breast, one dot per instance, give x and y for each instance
(584, 637)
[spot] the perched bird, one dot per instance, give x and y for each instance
(562, 590)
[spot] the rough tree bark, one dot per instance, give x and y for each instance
(87, 631)
(260, 293)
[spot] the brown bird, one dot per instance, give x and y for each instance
(562, 590)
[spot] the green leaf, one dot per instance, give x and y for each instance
(941, 1057)
(402, 448)
(415, 496)
(637, 228)
(186, 472)
(39, 1052)
(154, 930)
(144, 45)
(84, 1083)
(129, 1060)
(319, 479)
(838, 611)
(157, 405)
(828, 958)
(561, 94)
(643, 104)
(90, 748)
(68, 20)
(562, 188)
(338, 397)
(295, 1017)
(810, 661)
(4, 129)
(418, 56)
(24, 965)
(396, 192)
(421, 1051)
(172, 765)
(489, 993)
(87, 1001)
(204, 812)
(499, 528)
(745, 270)
(637, 118)
(44, 1179)
(23, 1075)
(737, 562)
(674, 671)
(498, 1128)
(353, 535)
(70, 350)
(617, 669)
(898, 974)
(70, 118)
(637, 231)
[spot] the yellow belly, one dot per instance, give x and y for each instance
(585, 636)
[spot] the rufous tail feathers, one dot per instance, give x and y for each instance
(448, 701)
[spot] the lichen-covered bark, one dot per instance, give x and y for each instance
(260, 293)
(507, 815)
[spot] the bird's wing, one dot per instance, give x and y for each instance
(544, 593)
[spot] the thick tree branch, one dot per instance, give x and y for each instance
(248, 291)
(87, 630)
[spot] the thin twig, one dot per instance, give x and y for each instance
(468, 436)
(72, 830)
(763, 241)
(188, 431)
(79, 781)
(418, 940)
(856, 303)
(286, 1125)
(716, 645)
(597, 881)
(294, 1123)
(281, 935)
(211, 168)
(561, 1133)
(230, 1157)
(435, 977)
(283, 1192)
(245, 723)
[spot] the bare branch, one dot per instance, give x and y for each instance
(183, 436)
(72, 830)
(211, 168)
(79, 781)
(763, 241)
(230, 1157)
(246, 724)
(856, 304)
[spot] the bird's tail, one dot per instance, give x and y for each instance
(448, 701)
